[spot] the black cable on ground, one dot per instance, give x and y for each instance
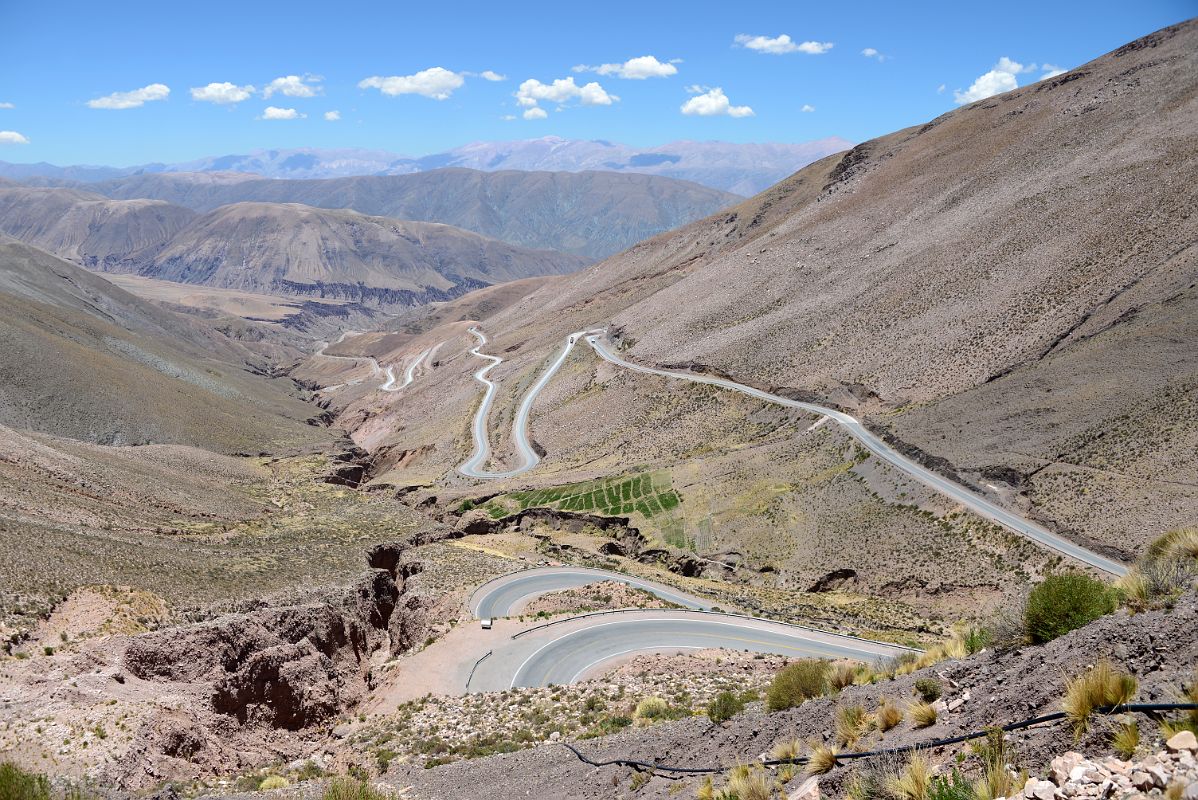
(965, 737)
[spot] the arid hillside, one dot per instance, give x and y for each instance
(291, 249)
(1010, 286)
(87, 228)
(84, 359)
(590, 214)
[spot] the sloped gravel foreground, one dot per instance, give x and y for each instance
(1159, 647)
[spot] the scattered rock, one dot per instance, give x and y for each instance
(1183, 740)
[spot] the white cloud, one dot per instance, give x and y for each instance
(999, 79)
(133, 99)
(807, 108)
(12, 137)
(508, 117)
(293, 86)
(940, 89)
(1051, 71)
(491, 75)
(780, 45)
(222, 93)
(873, 52)
(561, 91)
(332, 116)
(713, 103)
(435, 82)
(1014, 67)
(987, 85)
(637, 68)
(7, 105)
(272, 112)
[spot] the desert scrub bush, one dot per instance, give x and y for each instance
(951, 787)
(724, 706)
(888, 714)
(1101, 685)
(1065, 602)
(851, 724)
(1162, 573)
(1126, 739)
(797, 682)
(17, 784)
(346, 788)
(639, 779)
(273, 782)
(928, 689)
(655, 709)
(923, 715)
(914, 781)
(822, 760)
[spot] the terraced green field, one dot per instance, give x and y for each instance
(646, 493)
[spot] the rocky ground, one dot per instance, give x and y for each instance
(1158, 647)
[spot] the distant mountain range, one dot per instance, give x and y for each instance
(743, 169)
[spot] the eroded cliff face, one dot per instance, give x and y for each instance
(271, 680)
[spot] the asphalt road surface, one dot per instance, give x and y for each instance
(576, 649)
(473, 466)
(506, 595)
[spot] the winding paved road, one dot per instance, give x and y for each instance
(852, 426)
(473, 466)
(376, 369)
(508, 594)
(875, 445)
(575, 649)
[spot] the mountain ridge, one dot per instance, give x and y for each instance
(741, 168)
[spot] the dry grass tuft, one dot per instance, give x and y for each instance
(842, 675)
(851, 724)
(914, 781)
(822, 760)
(1126, 740)
(1101, 685)
(923, 715)
(745, 783)
(787, 750)
(888, 714)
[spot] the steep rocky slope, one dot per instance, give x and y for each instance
(1010, 286)
(84, 359)
(87, 228)
(591, 214)
(294, 249)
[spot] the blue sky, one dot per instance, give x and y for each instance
(409, 77)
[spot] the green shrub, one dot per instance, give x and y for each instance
(951, 787)
(1062, 603)
(354, 789)
(17, 784)
(794, 683)
(928, 688)
(724, 707)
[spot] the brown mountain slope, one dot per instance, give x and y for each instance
(1010, 288)
(296, 249)
(88, 228)
(1011, 285)
(591, 214)
(82, 358)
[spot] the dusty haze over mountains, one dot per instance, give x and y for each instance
(743, 169)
